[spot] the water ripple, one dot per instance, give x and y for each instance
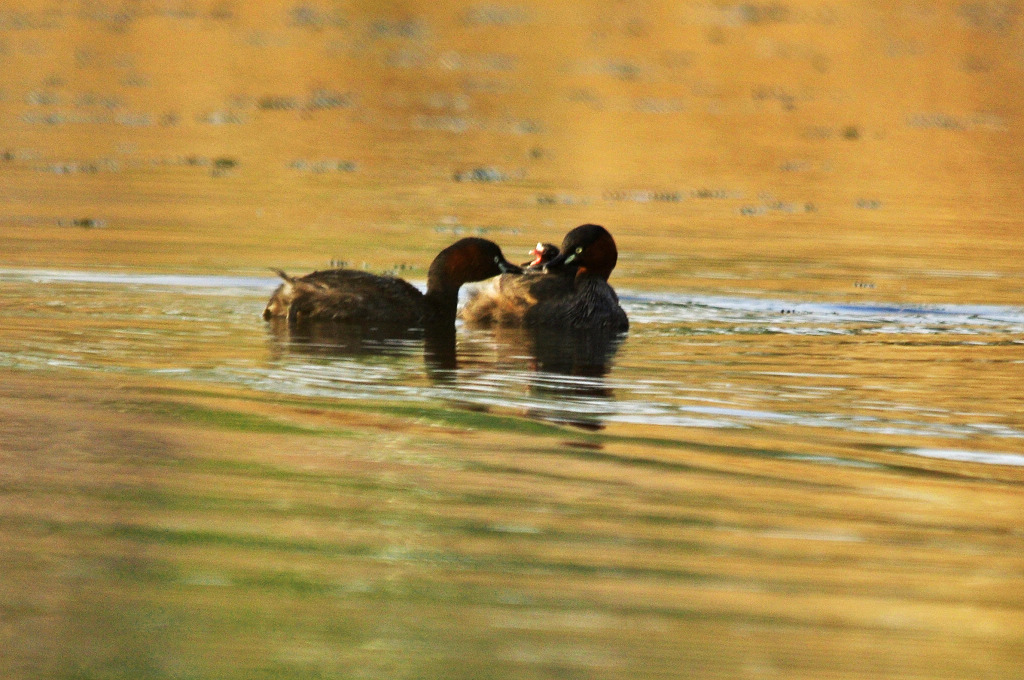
(689, 361)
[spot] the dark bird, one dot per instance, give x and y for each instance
(572, 292)
(542, 253)
(353, 297)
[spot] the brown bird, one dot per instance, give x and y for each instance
(572, 292)
(355, 297)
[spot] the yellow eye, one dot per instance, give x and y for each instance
(579, 250)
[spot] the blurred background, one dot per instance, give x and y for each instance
(792, 145)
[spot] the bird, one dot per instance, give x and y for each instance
(542, 253)
(571, 292)
(347, 296)
(503, 301)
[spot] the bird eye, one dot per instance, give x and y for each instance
(579, 250)
(497, 259)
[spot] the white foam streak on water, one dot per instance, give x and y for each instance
(969, 456)
(786, 316)
(225, 284)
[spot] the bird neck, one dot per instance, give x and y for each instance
(584, 274)
(443, 287)
(443, 303)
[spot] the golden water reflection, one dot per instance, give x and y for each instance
(803, 461)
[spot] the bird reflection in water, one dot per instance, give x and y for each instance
(327, 339)
(568, 371)
(563, 371)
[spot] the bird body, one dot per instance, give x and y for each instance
(354, 297)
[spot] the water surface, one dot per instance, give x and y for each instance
(802, 461)
(731, 477)
(689, 360)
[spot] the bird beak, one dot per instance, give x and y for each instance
(538, 254)
(509, 268)
(560, 260)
